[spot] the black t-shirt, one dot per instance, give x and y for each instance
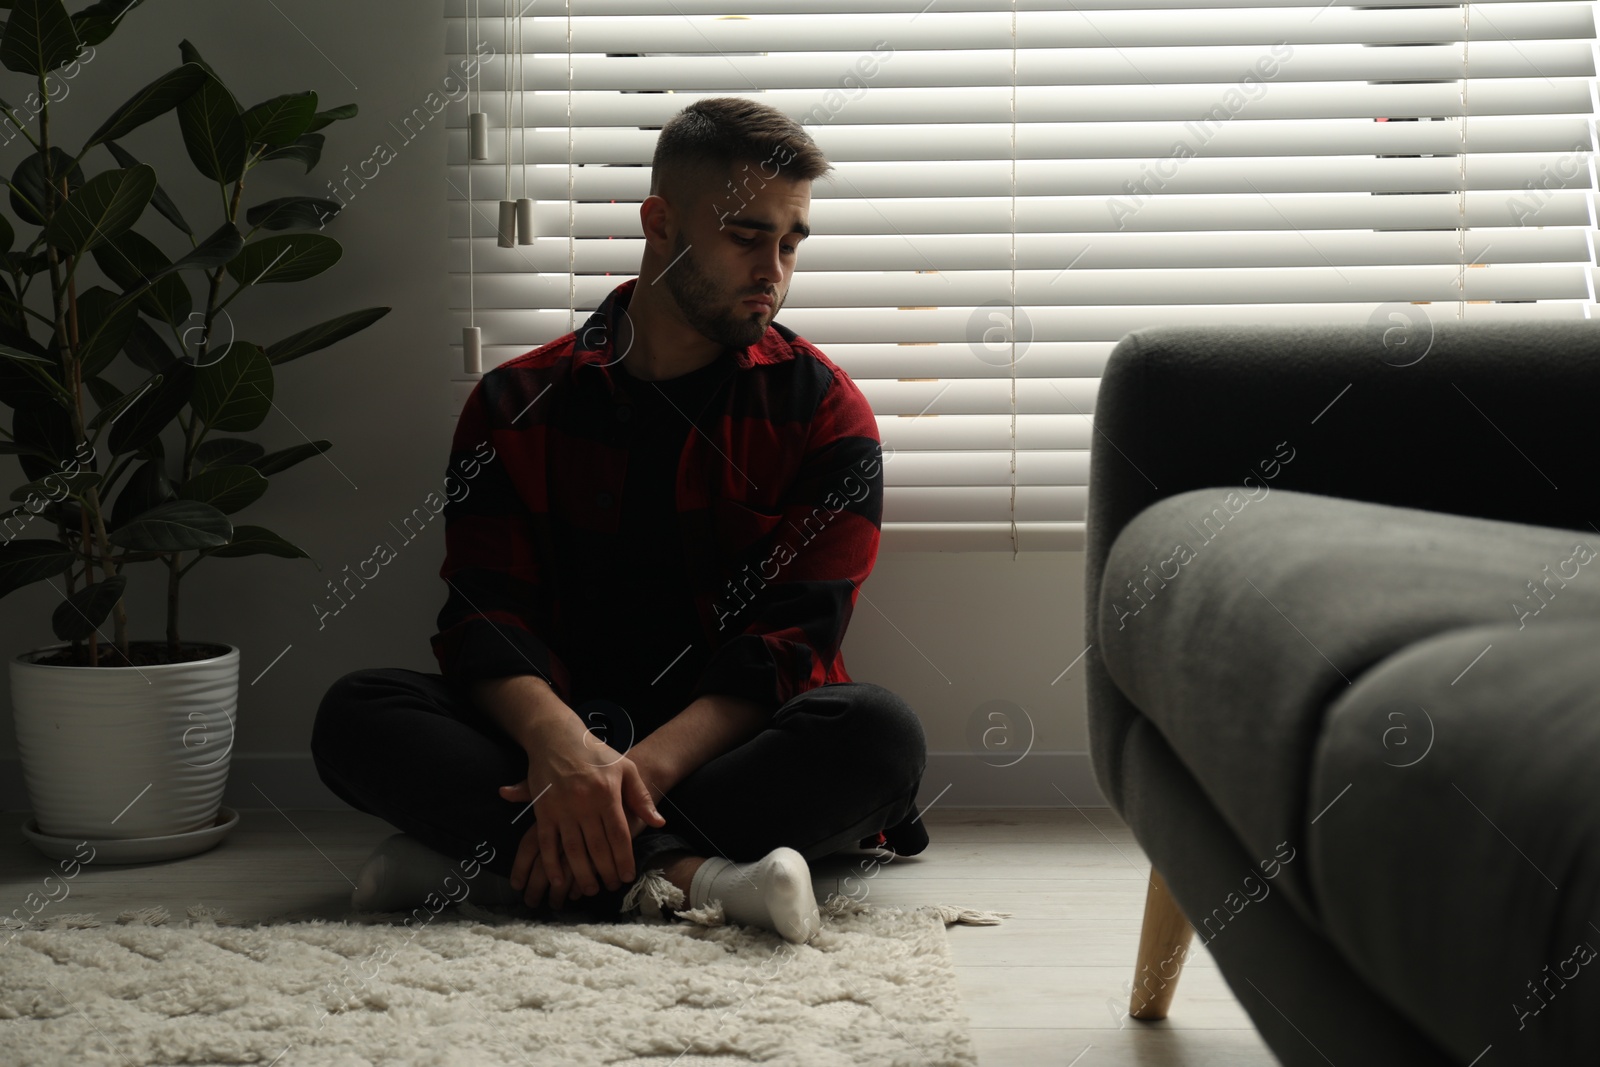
(637, 639)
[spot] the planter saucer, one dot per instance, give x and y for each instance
(134, 849)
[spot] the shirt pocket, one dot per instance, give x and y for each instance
(741, 528)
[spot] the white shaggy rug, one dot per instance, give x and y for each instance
(472, 987)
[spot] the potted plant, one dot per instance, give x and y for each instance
(128, 738)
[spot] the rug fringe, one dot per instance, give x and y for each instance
(954, 913)
(206, 913)
(708, 914)
(838, 904)
(650, 893)
(149, 915)
(153, 915)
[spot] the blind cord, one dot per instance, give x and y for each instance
(477, 73)
(522, 103)
(505, 34)
(1461, 164)
(572, 262)
(1016, 548)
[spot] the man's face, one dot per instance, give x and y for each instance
(738, 242)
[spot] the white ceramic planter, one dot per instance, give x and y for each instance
(125, 752)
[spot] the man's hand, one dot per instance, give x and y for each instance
(590, 801)
(535, 883)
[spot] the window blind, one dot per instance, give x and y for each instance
(1019, 184)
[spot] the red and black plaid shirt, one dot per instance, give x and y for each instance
(779, 500)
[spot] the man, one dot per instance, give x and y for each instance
(665, 520)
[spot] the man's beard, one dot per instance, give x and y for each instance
(704, 303)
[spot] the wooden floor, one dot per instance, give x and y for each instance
(1045, 987)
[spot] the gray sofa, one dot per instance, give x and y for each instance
(1343, 601)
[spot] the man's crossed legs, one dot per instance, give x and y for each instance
(838, 763)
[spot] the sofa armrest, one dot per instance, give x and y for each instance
(1488, 423)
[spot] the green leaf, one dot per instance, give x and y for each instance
(281, 120)
(257, 540)
(287, 211)
(29, 560)
(104, 322)
(68, 512)
(213, 132)
(159, 199)
(147, 416)
(27, 266)
(39, 37)
(31, 182)
(144, 273)
(330, 116)
(308, 150)
(107, 205)
(78, 616)
(13, 323)
(176, 526)
(47, 427)
(289, 258)
(190, 54)
(146, 487)
(148, 350)
(56, 484)
(96, 22)
(24, 357)
(116, 401)
(20, 373)
(152, 101)
(228, 489)
(226, 451)
(283, 459)
(104, 392)
(323, 334)
(234, 393)
(8, 236)
(222, 245)
(11, 448)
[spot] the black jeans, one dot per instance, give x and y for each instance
(837, 764)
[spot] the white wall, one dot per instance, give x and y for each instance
(951, 632)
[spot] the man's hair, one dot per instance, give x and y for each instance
(699, 146)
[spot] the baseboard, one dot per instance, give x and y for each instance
(255, 781)
(954, 779)
(1038, 780)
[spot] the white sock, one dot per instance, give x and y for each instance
(773, 892)
(402, 871)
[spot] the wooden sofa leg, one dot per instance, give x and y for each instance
(1163, 947)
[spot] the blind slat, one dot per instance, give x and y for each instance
(1093, 140)
(1066, 28)
(882, 291)
(1165, 213)
(826, 327)
(993, 252)
(982, 537)
(1038, 467)
(1063, 178)
(1066, 103)
(958, 66)
(647, 8)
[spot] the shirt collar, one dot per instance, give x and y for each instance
(593, 341)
